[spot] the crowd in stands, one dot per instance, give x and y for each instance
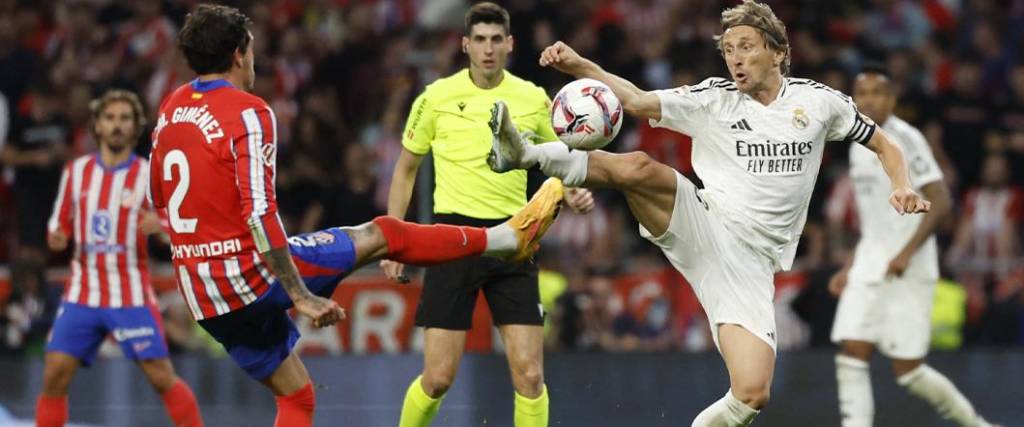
(341, 75)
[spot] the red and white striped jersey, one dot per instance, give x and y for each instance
(213, 167)
(99, 206)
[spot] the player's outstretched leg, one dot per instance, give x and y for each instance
(52, 405)
(751, 364)
(516, 239)
(649, 186)
(856, 401)
(179, 401)
(930, 385)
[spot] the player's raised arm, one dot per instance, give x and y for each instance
(637, 102)
(255, 158)
(904, 199)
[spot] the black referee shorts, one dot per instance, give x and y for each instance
(450, 290)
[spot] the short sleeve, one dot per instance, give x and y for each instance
(845, 123)
(923, 167)
(419, 128)
(686, 108)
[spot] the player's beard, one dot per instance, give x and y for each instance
(116, 142)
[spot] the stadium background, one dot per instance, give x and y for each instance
(626, 338)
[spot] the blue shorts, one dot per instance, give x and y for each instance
(261, 335)
(79, 330)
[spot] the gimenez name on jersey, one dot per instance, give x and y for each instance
(197, 115)
(774, 158)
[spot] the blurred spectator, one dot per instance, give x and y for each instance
(349, 198)
(301, 174)
(896, 24)
(27, 313)
(1011, 121)
(38, 146)
(18, 65)
(959, 120)
(987, 239)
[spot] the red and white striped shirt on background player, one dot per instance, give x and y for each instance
(214, 151)
(99, 207)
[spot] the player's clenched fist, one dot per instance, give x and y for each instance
(563, 58)
(905, 201)
(323, 311)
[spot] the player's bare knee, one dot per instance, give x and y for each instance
(526, 371)
(437, 384)
(57, 377)
(368, 240)
(528, 378)
(903, 367)
(438, 379)
(754, 395)
(637, 167)
(160, 374)
(856, 350)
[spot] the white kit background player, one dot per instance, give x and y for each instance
(758, 142)
(887, 291)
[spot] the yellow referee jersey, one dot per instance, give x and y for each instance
(450, 118)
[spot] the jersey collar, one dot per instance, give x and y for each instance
(201, 86)
(123, 165)
(782, 93)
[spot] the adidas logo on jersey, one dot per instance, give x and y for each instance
(741, 125)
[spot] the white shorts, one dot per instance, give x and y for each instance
(733, 283)
(894, 314)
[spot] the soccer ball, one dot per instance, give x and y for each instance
(586, 114)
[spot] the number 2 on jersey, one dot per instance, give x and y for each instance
(178, 224)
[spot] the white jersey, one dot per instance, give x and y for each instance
(759, 162)
(883, 231)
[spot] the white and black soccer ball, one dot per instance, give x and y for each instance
(586, 114)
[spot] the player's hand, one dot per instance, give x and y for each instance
(898, 264)
(323, 311)
(905, 201)
(838, 282)
(57, 241)
(580, 200)
(149, 223)
(563, 58)
(395, 271)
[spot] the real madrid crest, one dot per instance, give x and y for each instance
(800, 120)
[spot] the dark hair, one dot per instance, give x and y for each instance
(876, 67)
(487, 13)
(210, 37)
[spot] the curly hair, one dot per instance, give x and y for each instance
(210, 37)
(761, 17)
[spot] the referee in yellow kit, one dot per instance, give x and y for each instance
(450, 118)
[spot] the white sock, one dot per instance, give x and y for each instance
(934, 388)
(500, 240)
(555, 159)
(726, 412)
(856, 403)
